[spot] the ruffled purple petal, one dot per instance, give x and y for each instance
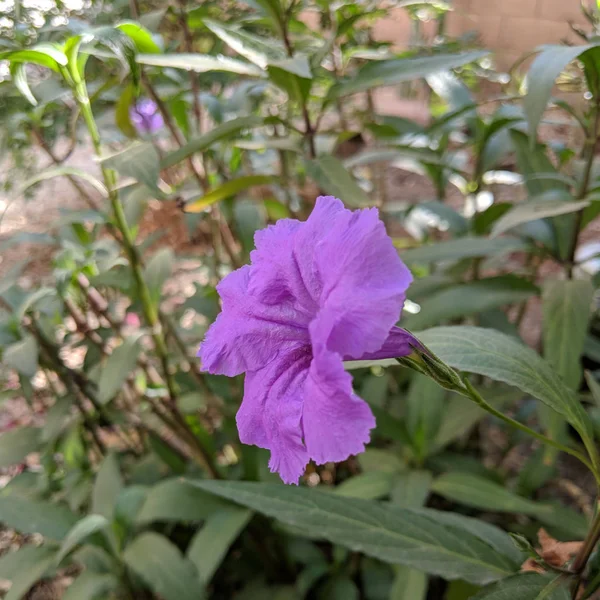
(364, 283)
(271, 413)
(248, 334)
(336, 422)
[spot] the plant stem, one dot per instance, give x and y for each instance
(584, 554)
(474, 395)
(589, 154)
(150, 309)
(309, 130)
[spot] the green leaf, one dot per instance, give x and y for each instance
(18, 75)
(162, 567)
(82, 530)
(158, 270)
(390, 72)
(58, 418)
(200, 63)
(566, 306)
(92, 586)
(544, 70)
(142, 38)
(409, 584)
(16, 444)
(412, 537)
(461, 415)
(117, 369)
(226, 190)
(22, 356)
(540, 178)
(45, 55)
(51, 520)
(370, 486)
(25, 567)
(466, 247)
(122, 109)
(219, 133)
(524, 586)
(411, 488)
(107, 487)
(537, 208)
(330, 175)
(65, 172)
(177, 500)
(260, 51)
(140, 161)
(501, 357)
(478, 492)
(471, 298)
(424, 409)
(210, 545)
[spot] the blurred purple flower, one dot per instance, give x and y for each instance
(316, 293)
(145, 116)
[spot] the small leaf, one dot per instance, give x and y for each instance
(27, 566)
(544, 70)
(119, 365)
(210, 545)
(369, 486)
(390, 72)
(458, 249)
(420, 538)
(219, 133)
(158, 270)
(524, 586)
(140, 161)
(537, 208)
(51, 520)
(91, 586)
(46, 55)
(107, 487)
(16, 444)
(22, 356)
(122, 109)
(141, 37)
(226, 190)
(200, 63)
(469, 299)
(65, 172)
(329, 174)
(82, 530)
(161, 566)
(566, 306)
(177, 500)
(411, 488)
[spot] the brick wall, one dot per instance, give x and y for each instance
(508, 27)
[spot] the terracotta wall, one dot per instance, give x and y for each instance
(508, 27)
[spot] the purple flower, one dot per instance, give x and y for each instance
(316, 293)
(145, 116)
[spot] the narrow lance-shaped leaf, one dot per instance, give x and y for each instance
(221, 132)
(566, 308)
(420, 538)
(15, 445)
(329, 173)
(228, 189)
(161, 566)
(390, 72)
(210, 545)
(544, 70)
(501, 357)
(201, 63)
